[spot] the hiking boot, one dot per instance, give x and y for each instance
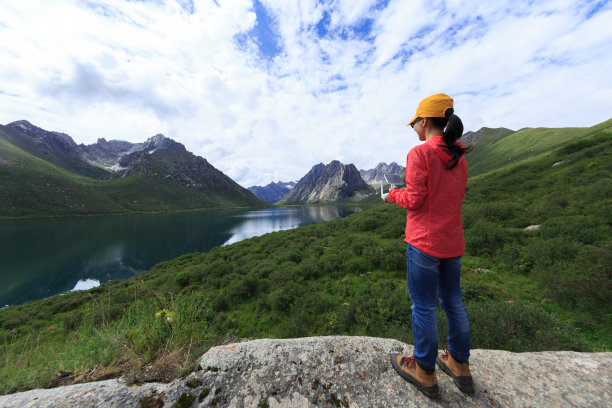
(459, 372)
(410, 371)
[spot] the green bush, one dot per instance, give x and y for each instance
(308, 269)
(484, 238)
(283, 298)
(365, 224)
(394, 255)
(587, 280)
(516, 326)
(474, 292)
(356, 265)
(589, 229)
(184, 278)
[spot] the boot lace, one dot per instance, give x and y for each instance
(408, 362)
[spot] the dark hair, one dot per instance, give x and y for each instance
(453, 130)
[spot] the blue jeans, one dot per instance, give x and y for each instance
(429, 277)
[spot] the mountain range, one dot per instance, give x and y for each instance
(331, 183)
(45, 173)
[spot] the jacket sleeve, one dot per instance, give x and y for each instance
(414, 194)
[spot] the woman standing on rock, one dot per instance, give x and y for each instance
(436, 178)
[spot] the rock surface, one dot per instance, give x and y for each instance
(346, 372)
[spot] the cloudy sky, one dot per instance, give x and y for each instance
(265, 89)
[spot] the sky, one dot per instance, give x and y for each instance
(266, 89)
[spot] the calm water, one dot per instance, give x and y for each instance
(40, 258)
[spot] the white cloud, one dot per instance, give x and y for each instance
(128, 70)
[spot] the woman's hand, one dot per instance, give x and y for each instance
(388, 195)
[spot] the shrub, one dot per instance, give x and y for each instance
(545, 253)
(282, 298)
(219, 303)
(308, 269)
(183, 279)
(241, 290)
(587, 280)
(517, 327)
(68, 302)
(393, 230)
(394, 255)
(484, 238)
(474, 292)
(365, 223)
(584, 229)
(219, 268)
(330, 262)
(356, 265)
(287, 272)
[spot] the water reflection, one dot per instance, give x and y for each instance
(260, 222)
(44, 257)
(85, 284)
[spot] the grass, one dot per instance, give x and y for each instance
(494, 152)
(546, 289)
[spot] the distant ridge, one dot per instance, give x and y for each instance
(496, 148)
(492, 135)
(272, 192)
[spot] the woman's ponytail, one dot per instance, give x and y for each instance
(453, 130)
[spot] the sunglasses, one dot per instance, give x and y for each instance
(417, 120)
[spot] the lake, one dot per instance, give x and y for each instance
(40, 258)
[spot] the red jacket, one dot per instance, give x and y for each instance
(433, 197)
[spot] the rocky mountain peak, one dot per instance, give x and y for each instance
(23, 124)
(328, 183)
(376, 175)
(160, 141)
(39, 135)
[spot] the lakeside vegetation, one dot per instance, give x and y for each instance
(544, 289)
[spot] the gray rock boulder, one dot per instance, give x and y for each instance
(346, 372)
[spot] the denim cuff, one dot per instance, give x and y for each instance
(428, 370)
(459, 360)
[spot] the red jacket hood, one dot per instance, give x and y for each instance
(439, 146)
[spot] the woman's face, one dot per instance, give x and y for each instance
(419, 128)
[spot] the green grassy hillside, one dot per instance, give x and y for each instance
(37, 188)
(544, 289)
(56, 148)
(497, 148)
